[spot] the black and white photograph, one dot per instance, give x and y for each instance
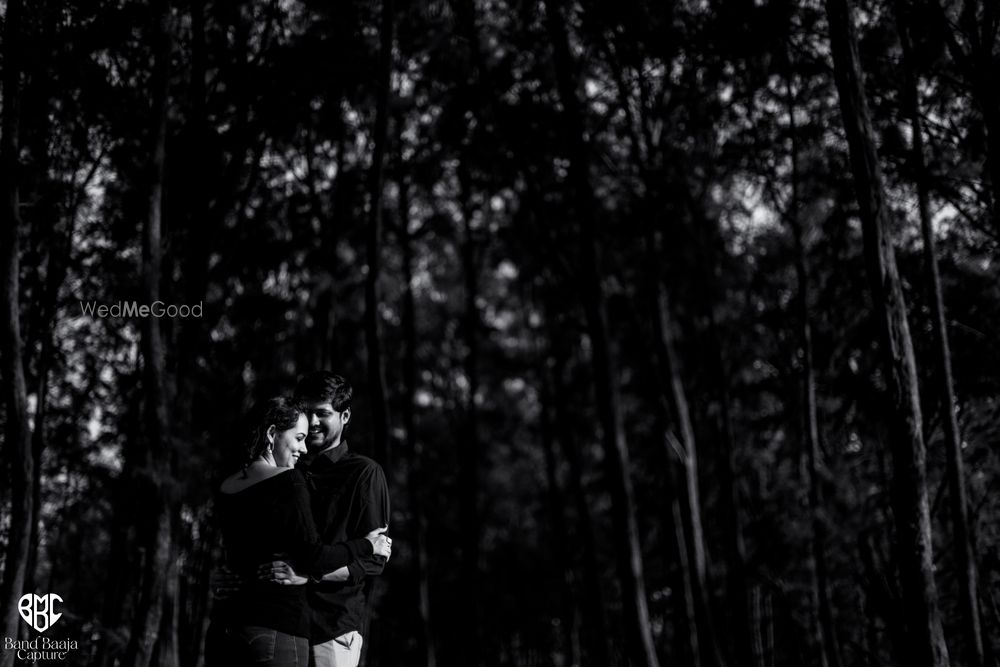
(500, 333)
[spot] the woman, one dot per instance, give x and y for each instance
(264, 513)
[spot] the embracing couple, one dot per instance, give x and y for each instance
(304, 523)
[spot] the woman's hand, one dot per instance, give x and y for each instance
(339, 575)
(224, 583)
(381, 543)
(280, 572)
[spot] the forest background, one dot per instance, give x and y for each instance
(674, 324)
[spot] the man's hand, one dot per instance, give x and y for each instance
(224, 583)
(280, 572)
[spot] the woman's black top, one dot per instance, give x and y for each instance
(271, 520)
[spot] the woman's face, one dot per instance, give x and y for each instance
(291, 444)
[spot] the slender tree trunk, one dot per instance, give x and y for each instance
(373, 240)
(469, 453)
(59, 257)
(594, 615)
(156, 525)
(209, 195)
(702, 642)
(707, 228)
(470, 446)
(914, 551)
(882, 596)
(17, 439)
(167, 652)
(639, 638)
(414, 453)
(709, 649)
(872, 644)
(736, 560)
(824, 633)
(201, 222)
(148, 638)
(965, 559)
(37, 334)
(373, 251)
(991, 125)
(200, 545)
(688, 635)
(570, 625)
(121, 568)
(326, 316)
(380, 137)
(762, 637)
(979, 66)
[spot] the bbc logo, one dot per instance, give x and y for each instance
(39, 611)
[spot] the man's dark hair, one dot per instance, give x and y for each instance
(325, 387)
(280, 411)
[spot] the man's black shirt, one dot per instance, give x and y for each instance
(350, 498)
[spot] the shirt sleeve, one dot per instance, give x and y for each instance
(373, 512)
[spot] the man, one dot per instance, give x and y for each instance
(350, 498)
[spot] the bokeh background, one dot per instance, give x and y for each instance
(601, 275)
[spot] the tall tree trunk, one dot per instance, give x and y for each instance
(595, 621)
(18, 429)
(168, 653)
(914, 551)
(639, 637)
(373, 240)
(201, 222)
(824, 633)
(147, 640)
(373, 251)
(479, 77)
(709, 649)
(688, 635)
(965, 558)
(59, 257)
(326, 356)
(702, 641)
(123, 572)
(978, 65)
(469, 452)
(882, 596)
(155, 532)
(210, 193)
(736, 559)
(691, 535)
(200, 543)
(707, 230)
(570, 621)
(414, 453)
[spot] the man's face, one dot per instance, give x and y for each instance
(326, 425)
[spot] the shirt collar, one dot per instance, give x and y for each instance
(335, 454)
(310, 462)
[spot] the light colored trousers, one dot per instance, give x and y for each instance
(343, 651)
